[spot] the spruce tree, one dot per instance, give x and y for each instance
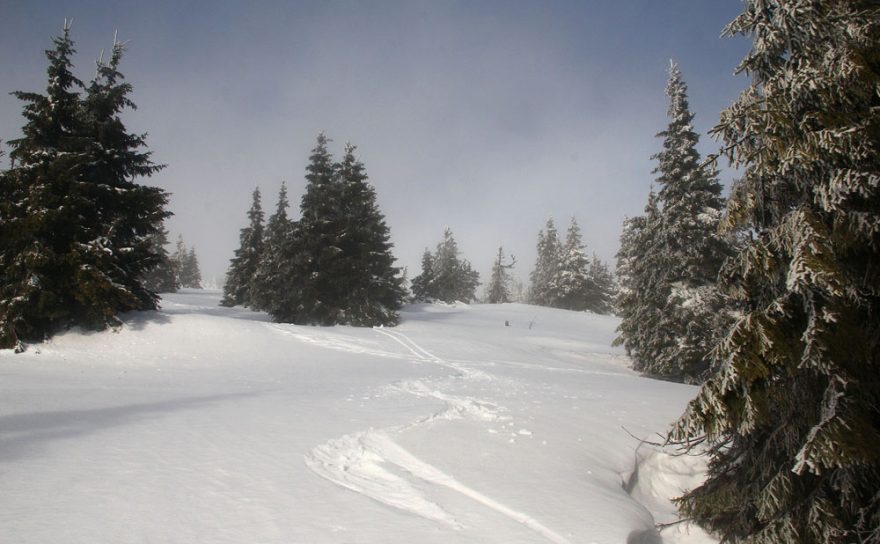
(162, 278)
(369, 288)
(571, 286)
(421, 284)
(271, 288)
(499, 285)
(444, 276)
(600, 297)
(678, 310)
(243, 266)
(186, 264)
(641, 296)
(75, 241)
(792, 418)
(542, 292)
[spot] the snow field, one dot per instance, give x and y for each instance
(206, 424)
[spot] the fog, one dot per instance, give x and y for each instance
(487, 117)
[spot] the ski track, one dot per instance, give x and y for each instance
(361, 461)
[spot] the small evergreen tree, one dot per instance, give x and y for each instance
(421, 284)
(451, 279)
(600, 297)
(243, 266)
(792, 418)
(186, 263)
(162, 278)
(499, 285)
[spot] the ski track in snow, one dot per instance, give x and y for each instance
(361, 461)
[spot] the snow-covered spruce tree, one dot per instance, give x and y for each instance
(571, 286)
(243, 266)
(451, 279)
(162, 278)
(692, 250)
(546, 266)
(75, 241)
(792, 418)
(683, 258)
(499, 285)
(421, 284)
(186, 264)
(600, 299)
(271, 289)
(640, 297)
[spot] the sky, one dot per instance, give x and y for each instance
(488, 117)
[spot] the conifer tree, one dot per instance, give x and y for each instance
(450, 279)
(75, 241)
(792, 418)
(640, 299)
(571, 286)
(542, 291)
(421, 284)
(162, 278)
(683, 257)
(336, 261)
(600, 298)
(186, 263)
(243, 266)
(271, 287)
(369, 288)
(499, 284)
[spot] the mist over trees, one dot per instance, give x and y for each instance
(75, 242)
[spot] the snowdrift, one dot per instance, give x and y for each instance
(198, 423)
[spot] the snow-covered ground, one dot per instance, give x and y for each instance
(206, 424)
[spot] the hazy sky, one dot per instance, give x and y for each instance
(484, 116)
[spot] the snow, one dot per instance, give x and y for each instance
(199, 423)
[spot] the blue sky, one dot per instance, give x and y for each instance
(484, 116)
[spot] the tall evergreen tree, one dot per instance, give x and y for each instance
(685, 255)
(542, 292)
(641, 296)
(271, 287)
(369, 288)
(792, 418)
(75, 241)
(499, 285)
(243, 266)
